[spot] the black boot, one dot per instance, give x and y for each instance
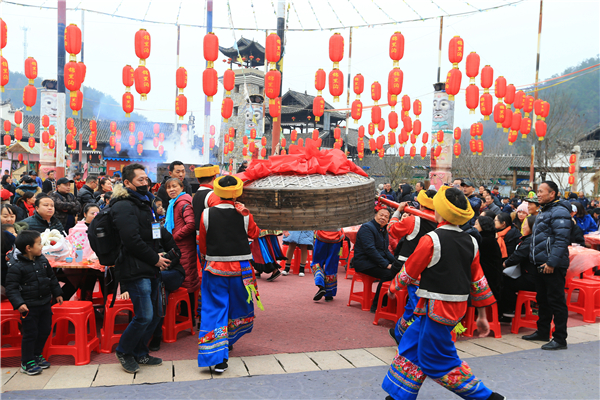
(154, 344)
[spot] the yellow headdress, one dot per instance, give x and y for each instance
(449, 211)
(228, 192)
(425, 200)
(205, 172)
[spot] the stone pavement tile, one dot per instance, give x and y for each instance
(112, 375)
(515, 340)
(7, 373)
(25, 382)
(385, 354)
(361, 358)
(471, 348)
(496, 345)
(296, 362)
(236, 368)
(579, 337)
(463, 354)
(263, 365)
(158, 374)
(73, 376)
(592, 329)
(187, 370)
(327, 360)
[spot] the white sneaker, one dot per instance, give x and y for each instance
(301, 274)
(285, 273)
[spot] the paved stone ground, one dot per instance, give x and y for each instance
(527, 374)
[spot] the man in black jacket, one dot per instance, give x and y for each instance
(550, 255)
(176, 170)
(371, 253)
(85, 195)
(138, 264)
(44, 218)
(49, 184)
(65, 204)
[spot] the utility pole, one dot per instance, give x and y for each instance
(24, 29)
(535, 94)
(281, 33)
(60, 97)
(209, 17)
(81, 112)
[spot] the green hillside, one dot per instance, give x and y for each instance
(96, 104)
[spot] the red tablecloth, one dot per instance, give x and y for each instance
(582, 259)
(75, 265)
(593, 239)
(351, 232)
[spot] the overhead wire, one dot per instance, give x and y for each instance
(317, 18)
(298, 16)
(361, 16)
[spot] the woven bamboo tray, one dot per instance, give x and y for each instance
(310, 202)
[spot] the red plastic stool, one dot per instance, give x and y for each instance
(588, 301)
(365, 298)
(344, 259)
(469, 321)
(295, 267)
(524, 298)
(81, 314)
(349, 270)
(9, 326)
(394, 309)
(108, 337)
(175, 322)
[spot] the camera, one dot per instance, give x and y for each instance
(172, 254)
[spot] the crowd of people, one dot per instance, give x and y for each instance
(208, 243)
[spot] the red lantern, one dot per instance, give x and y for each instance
(509, 96)
(140, 136)
(479, 146)
(283, 142)
(263, 152)
(519, 99)
(472, 98)
(181, 79)
(487, 78)
(320, 78)
(499, 114)
(18, 133)
(212, 143)
(425, 138)
(142, 81)
(112, 141)
(417, 107)
(245, 140)
(231, 132)
(416, 128)
(52, 130)
(226, 138)
(372, 127)
(273, 49)
(358, 85)
(318, 107)
(456, 51)
(336, 83)
(525, 127)
(275, 109)
(393, 120)
(413, 152)
(540, 129)
(396, 47)
(127, 103)
(403, 137)
(31, 69)
(231, 145)
(376, 92)
(31, 142)
(272, 85)
(473, 145)
(128, 76)
(375, 115)
(30, 128)
(226, 108)
(405, 104)
(500, 88)
(315, 134)
(263, 141)
(51, 144)
(228, 80)
(161, 149)
(407, 122)
(20, 157)
(528, 105)
(391, 138)
(3, 33)
(336, 49)
(457, 133)
(380, 142)
(7, 125)
(357, 108)
(118, 147)
(440, 136)
(572, 158)
(7, 140)
(131, 127)
(516, 121)
(253, 133)
(507, 120)
(457, 145)
(131, 140)
(372, 145)
(29, 96)
(512, 137)
(76, 102)
(537, 106)
(245, 151)
(70, 123)
(401, 152)
(381, 125)
(156, 129)
(472, 69)
(391, 102)
(72, 41)
(18, 117)
(571, 180)
(142, 45)
(4, 75)
(423, 152)
(545, 110)
(45, 137)
(453, 82)
(209, 82)
(395, 81)
(81, 70)
(337, 134)
(485, 105)
(211, 48)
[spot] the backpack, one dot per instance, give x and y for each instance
(104, 238)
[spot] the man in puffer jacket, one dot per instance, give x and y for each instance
(550, 255)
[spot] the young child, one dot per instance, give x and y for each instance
(447, 262)
(30, 283)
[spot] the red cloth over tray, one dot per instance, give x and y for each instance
(302, 161)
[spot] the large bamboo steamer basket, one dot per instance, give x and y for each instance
(310, 202)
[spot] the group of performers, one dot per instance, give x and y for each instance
(440, 270)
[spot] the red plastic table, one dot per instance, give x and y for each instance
(582, 259)
(593, 240)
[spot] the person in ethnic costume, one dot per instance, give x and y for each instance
(412, 228)
(326, 258)
(228, 279)
(266, 251)
(205, 197)
(447, 260)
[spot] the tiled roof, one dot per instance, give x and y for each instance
(305, 103)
